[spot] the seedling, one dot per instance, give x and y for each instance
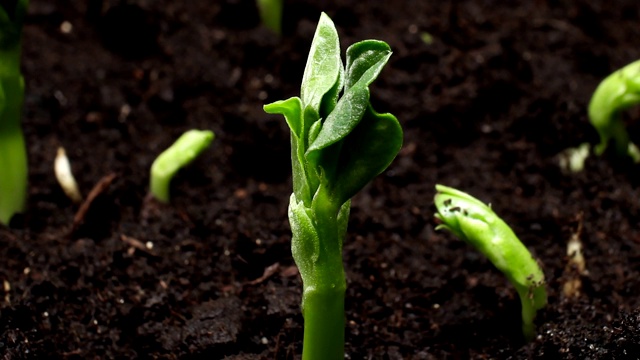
(177, 156)
(572, 160)
(474, 222)
(13, 153)
(271, 14)
(62, 170)
(616, 92)
(338, 144)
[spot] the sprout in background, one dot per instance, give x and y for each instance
(616, 93)
(13, 152)
(177, 156)
(572, 160)
(271, 14)
(474, 222)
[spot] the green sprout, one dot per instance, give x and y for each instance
(271, 14)
(474, 222)
(616, 92)
(338, 145)
(13, 152)
(180, 154)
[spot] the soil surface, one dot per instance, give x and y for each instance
(488, 93)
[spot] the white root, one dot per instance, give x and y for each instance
(65, 178)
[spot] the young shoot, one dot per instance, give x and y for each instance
(572, 160)
(616, 92)
(62, 170)
(338, 144)
(271, 14)
(474, 222)
(177, 156)
(13, 152)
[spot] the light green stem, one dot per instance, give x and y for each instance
(178, 155)
(324, 287)
(13, 152)
(323, 311)
(14, 170)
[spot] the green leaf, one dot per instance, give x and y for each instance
(305, 244)
(365, 153)
(291, 109)
(323, 64)
(344, 118)
(330, 99)
(299, 175)
(365, 60)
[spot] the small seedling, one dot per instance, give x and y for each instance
(338, 145)
(177, 156)
(616, 92)
(572, 160)
(474, 222)
(62, 170)
(13, 153)
(271, 14)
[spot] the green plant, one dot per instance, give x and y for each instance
(271, 14)
(13, 153)
(180, 154)
(616, 92)
(474, 222)
(338, 144)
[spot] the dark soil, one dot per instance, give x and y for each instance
(485, 107)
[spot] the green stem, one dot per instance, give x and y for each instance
(13, 152)
(324, 289)
(619, 135)
(10, 63)
(323, 311)
(13, 163)
(528, 315)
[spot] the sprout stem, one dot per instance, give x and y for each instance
(177, 156)
(474, 222)
(13, 152)
(614, 94)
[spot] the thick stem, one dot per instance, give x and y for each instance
(13, 167)
(10, 63)
(619, 135)
(528, 315)
(324, 288)
(13, 153)
(323, 311)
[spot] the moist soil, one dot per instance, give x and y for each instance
(488, 94)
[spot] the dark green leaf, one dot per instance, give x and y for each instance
(343, 119)
(365, 60)
(365, 153)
